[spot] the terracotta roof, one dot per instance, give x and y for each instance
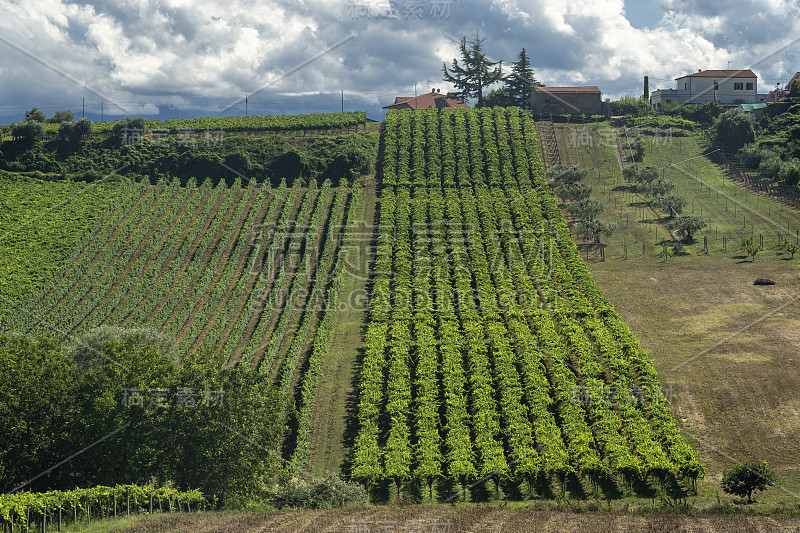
(722, 74)
(424, 101)
(592, 89)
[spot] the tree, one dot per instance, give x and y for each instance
(735, 128)
(574, 192)
(61, 116)
(594, 229)
(654, 188)
(672, 205)
(794, 88)
(475, 73)
(29, 130)
(562, 175)
(586, 209)
(66, 131)
(521, 81)
(792, 248)
(499, 98)
(742, 480)
(686, 225)
(749, 247)
(631, 106)
(83, 128)
(35, 115)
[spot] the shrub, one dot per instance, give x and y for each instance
(332, 491)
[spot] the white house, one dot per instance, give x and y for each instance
(728, 87)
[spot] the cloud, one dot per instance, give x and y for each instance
(186, 56)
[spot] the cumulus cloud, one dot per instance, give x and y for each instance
(198, 56)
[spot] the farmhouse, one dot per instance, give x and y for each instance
(566, 100)
(728, 87)
(424, 101)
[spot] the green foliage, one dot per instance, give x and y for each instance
(568, 175)
(794, 88)
(35, 115)
(595, 230)
(586, 209)
(520, 82)
(749, 246)
(28, 130)
(735, 128)
(61, 116)
(87, 350)
(500, 97)
(475, 73)
(326, 493)
(686, 226)
(747, 477)
(655, 188)
(200, 426)
(671, 204)
(631, 106)
(706, 112)
(574, 191)
(791, 247)
(18, 507)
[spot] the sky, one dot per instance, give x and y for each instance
(185, 58)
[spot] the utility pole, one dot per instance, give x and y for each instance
(342, 102)
(83, 107)
(245, 105)
(101, 111)
(415, 97)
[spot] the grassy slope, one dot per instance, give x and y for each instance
(336, 396)
(728, 348)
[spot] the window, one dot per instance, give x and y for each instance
(738, 86)
(685, 86)
(749, 86)
(738, 101)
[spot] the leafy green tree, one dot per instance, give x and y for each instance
(475, 73)
(735, 128)
(227, 441)
(499, 98)
(686, 226)
(61, 116)
(594, 230)
(586, 209)
(28, 130)
(659, 187)
(672, 205)
(35, 115)
(794, 88)
(83, 128)
(792, 248)
(66, 131)
(747, 477)
(574, 192)
(631, 106)
(521, 81)
(37, 402)
(749, 246)
(562, 175)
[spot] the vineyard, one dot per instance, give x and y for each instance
(56, 507)
(249, 274)
(490, 353)
(273, 123)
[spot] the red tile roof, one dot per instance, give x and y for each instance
(424, 101)
(592, 89)
(722, 74)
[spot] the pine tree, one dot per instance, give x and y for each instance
(476, 73)
(521, 81)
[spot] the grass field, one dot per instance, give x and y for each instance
(728, 348)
